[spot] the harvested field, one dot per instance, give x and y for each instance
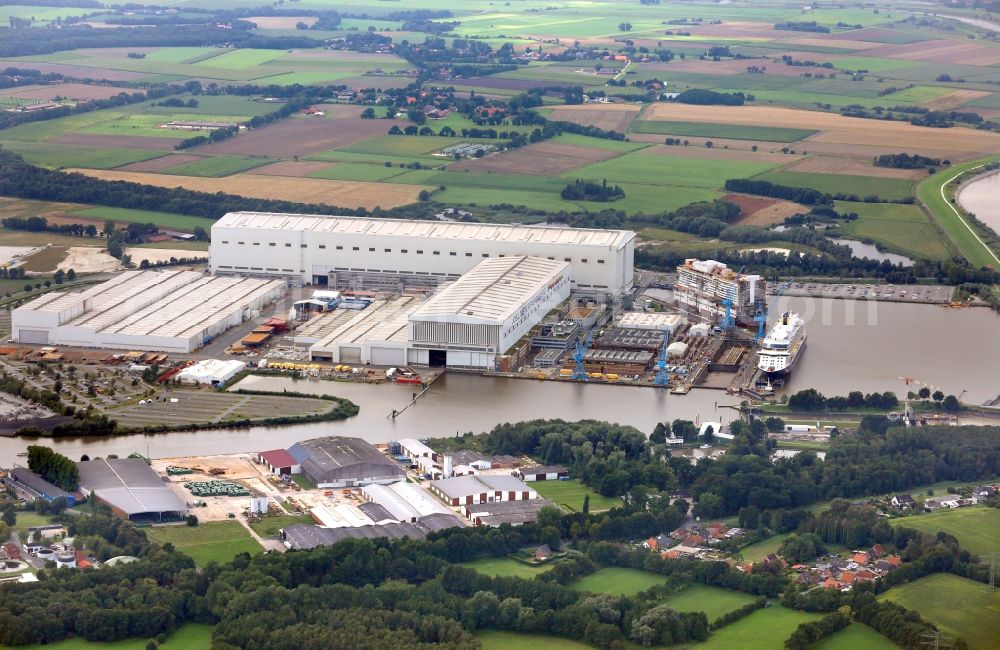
(118, 141)
(88, 259)
(941, 51)
(157, 255)
(610, 117)
(761, 211)
(161, 163)
(873, 34)
(954, 99)
(835, 128)
(345, 194)
(697, 142)
(295, 168)
(75, 71)
(726, 67)
(506, 84)
(833, 165)
(280, 22)
(543, 158)
(68, 91)
(734, 29)
(844, 44)
(300, 136)
(718, 153)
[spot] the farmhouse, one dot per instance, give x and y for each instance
(482, 488)
(338, 462)
(130, 487)
(902, 501)
(357, 252)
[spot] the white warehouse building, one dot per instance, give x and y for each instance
(166, 311)
(392, 254)
(480, 316)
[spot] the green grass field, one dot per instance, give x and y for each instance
(856, 636)
(730, 131)
(214, 541)
(714, 601)
(161, 219)
(618, 581)
(502, 640)
(570, 495)
(934, 194)
(269, 526)
(756, 552)
(215, 166)
(958, 606)
(654, 166)
(48, 154)
(898, 227)
(862, 186)
(765, 629)
(505, 566)
(190, 636)
(977, 527)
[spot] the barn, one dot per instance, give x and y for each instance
(279, 461)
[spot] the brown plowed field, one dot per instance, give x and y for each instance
(541, 159)
(345, 194)
(941, 51)
(117, 141)
(853, 166)
(761, 211)
(301, 135)
(696, 142)
(610, 117)
(835, 128)
(161, 163)
(69, 91)
(75, 71)
(954, 99)
(294, 168)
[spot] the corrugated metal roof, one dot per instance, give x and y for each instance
(128, 484)
(494, 289)
(424, 229)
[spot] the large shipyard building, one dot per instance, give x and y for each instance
(167, 311)
(703, 286)
(395, 254)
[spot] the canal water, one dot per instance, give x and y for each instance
(982, 198)
(861, 250)
(852, 345)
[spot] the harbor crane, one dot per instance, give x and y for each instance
(579, 371)
(761, 318)
(728, 322)
(662, 376)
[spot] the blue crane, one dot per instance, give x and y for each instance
(662, 376)
(727, 321)
(579, 371)
(761, 318)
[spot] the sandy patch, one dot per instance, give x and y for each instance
(541, 159)
(852, 166)
(158, 255)
(345, 194)
(762, 211)
(13, 255)
(835, 128)
(280, 22)
(296, 168)
(88, 259)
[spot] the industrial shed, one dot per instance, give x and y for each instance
(211, 372)
(514, 513)
(337, 462)
(130, 488)
(34, 486)
(404, 501)
(376, 335)
(279, 461)
(304, 536)
(541, 473)
(168, 311)
(481, 488)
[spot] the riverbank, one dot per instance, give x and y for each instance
(981, 204)
(934, 192)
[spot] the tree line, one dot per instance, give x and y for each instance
(53, 467)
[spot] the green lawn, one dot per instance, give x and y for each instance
(756, 552)
(856, 636)
(269, 526)
(29, 519)
(618, 581)
(241, 59)
(654, 166)
(218, 541)
(570, 494)
(765, 629)
(190, 636)
(501, 640)
(958, 606)
(217, 166)
(977, 528)
(862, 186)
(714, 601)
(60, 155)
(937, 198)
(505, 566)
(373, 172)
(898, 227)
(730, 131)
(161, 219)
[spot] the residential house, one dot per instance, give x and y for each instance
(982, 493)
(860, 558)
(772, 560)
(543, 553)
(902, 501)
(876, 552)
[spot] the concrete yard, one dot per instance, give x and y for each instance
(893, 293)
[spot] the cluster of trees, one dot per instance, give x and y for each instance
(705, 97)
(810, 399)
(580, 190)
(808, 634)
(803, 26)
(801, 548)
(41, 224)
(177, 102)
(53, 467)
(803, 195)
(906, 161)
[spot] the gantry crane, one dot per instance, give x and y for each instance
(579, 371)
(662, 376)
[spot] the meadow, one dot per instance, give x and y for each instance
(977, 528)
(958, 606)
(713, 601)
(756, 552)
(503, 640)
(213, 541)
(618, 581)
(856, 636)
(190, 636)
(768, 628)
(898, 227)
(506, 567)
(570, 495)
(269, 526)
(862, 186)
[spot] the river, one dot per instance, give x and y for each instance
(981, 197)
(853, 345)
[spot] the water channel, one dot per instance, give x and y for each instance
(981, 197)
(853, 345)
(861, 250)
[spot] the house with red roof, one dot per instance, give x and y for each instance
(279, 461)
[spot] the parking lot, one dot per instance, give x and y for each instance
(935, 294)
